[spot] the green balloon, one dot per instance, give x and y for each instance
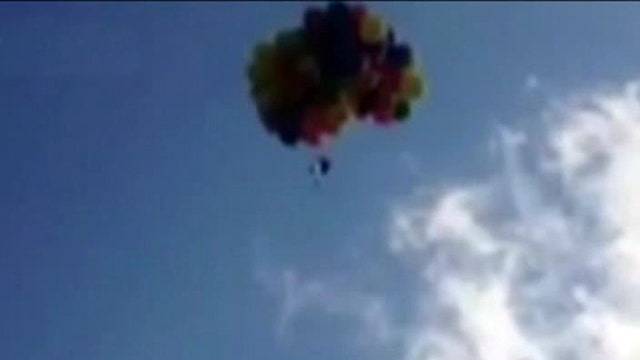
(402, 111)
(291, 40)
(261, 51)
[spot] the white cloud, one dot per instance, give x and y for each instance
(542, 262)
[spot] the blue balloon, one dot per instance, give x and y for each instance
(399, 56)
(339, 21)
(339, 11)
(285, 122)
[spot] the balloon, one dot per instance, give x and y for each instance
(399, 56)
(288, 137)
(345, 63)
(345, 52)
(338, 16)
(372, 29)
(411, 85)
(402, 110)
(291, 40)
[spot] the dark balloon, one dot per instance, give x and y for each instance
(338, 14)
(288, 137)
(314, 19)
(399, 56)
(315, 29)
(293, 41)
(402, 110)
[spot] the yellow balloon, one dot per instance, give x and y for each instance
(412, 85)
(372, 29)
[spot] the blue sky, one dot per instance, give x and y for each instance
(147, 215)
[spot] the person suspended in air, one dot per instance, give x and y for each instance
(320, 168)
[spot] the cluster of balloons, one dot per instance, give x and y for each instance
(343, 63)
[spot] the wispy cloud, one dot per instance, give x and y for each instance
(297, 295)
